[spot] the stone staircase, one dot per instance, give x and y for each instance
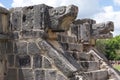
(91, 66)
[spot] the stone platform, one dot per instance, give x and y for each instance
(41, 42)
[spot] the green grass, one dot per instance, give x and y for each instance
(117, 67)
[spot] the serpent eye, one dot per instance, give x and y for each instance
(52, 12)
(61, 10)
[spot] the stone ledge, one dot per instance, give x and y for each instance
(90, 65)
(95, 75)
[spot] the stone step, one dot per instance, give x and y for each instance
(111, 79)
(93, 75)
(81, 56)
(86, 57)
(72, 46)
(89, 65)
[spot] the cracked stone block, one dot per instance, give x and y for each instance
(10, 60)
(41, 17)
(37, 61)
(16, 19)
(46, 63)
(26, 74)
(40, 75)
(50, 75)
(3, 47)
(20, 47)
(28, 18)
(60, 77)
(33, 48)
(85, 33)
(45, 75)
(14, 35)
(11, 74)
(9, 47)
(23, 61)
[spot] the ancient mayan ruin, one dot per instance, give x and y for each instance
(41, 42)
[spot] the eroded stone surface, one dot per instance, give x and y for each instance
(39, 75)
(20, 47)
(26, 74)
(37, 61)
(11, 60)
(47, 63)
(12, 74)
(23, 61)
(33, 48)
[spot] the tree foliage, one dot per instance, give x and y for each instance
(110, 47)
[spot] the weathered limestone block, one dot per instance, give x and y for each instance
(14, 35)
(45, 75)
(61, 17)
(93, 75)
(85, 33)
(47, 63)
(37, 61)
(82, 31)
(39, 75)
(61, 77)
(41, 16)
(2, 47)
(90, 65)
(66, 39)
(16, 16)
(25, 74)
(20, 47)
(71, 46)
(28, 18)
(9, 47)
(50, 75)
(63, 38)
(23, 61)
(11, 59)
(4, 20)
(11, 74)
(3, 67)
(33, 48)
(64, 46)
(76, 30)
(85, 57)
